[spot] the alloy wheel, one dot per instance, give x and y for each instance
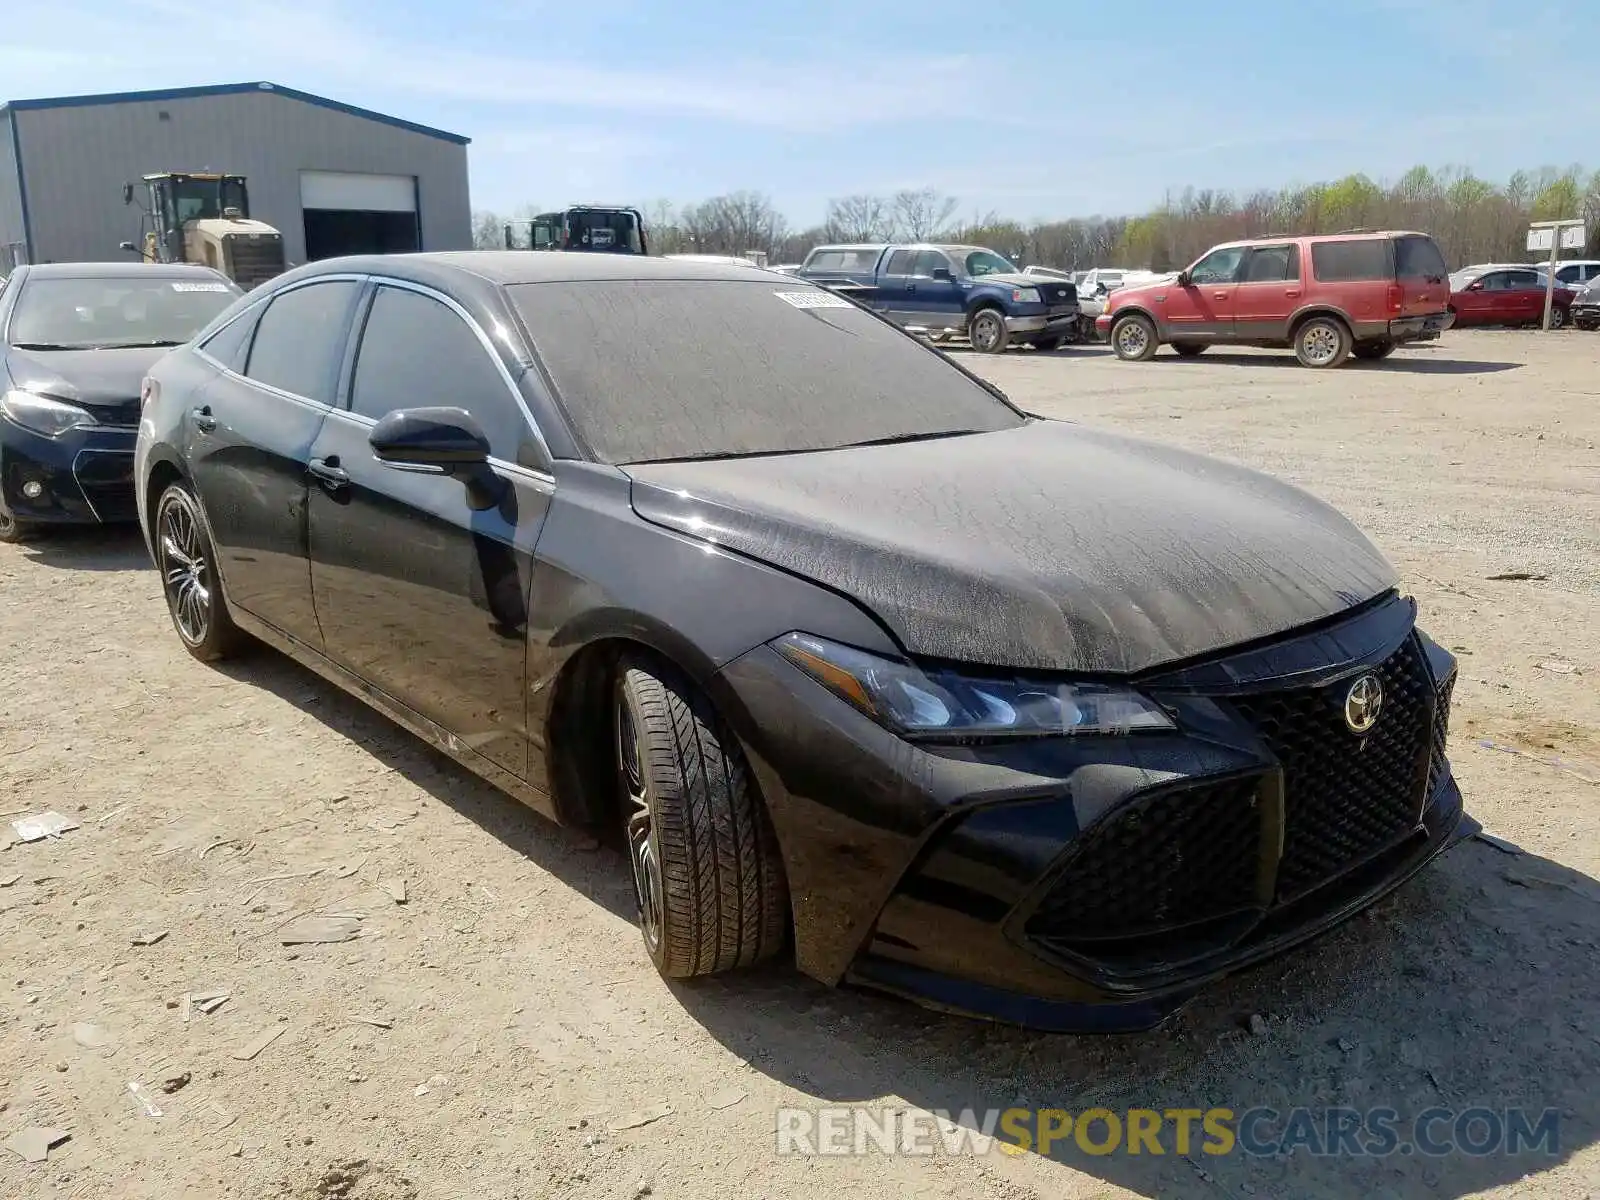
(1132, 339)
(1319, 343)
(642, 852)
(1558, 317)
(986, 331)
(185, 573)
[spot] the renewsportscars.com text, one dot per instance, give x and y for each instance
(1266, 1132)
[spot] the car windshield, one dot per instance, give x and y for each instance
(655, 370)
(987, 262)
(100, 314)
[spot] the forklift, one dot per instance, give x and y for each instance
(205, 219)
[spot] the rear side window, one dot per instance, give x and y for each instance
(1273, 264)
(1352, 261)
(1417, 257)
(300, 338)
(415, 351)
(899, 263)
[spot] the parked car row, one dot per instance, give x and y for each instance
(648, 544)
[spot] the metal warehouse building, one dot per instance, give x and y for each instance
(333, 179)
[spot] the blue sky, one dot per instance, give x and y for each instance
(1046, 108)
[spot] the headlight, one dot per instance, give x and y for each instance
(913, 701)
(1025, 295)
(41, 414)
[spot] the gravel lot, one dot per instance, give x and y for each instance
(519, 1025)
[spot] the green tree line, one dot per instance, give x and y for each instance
(1473, 219)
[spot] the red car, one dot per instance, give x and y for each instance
(1506, 295)
(1326, 297)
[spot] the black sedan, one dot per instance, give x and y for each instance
(76, 339)
(1015, 717)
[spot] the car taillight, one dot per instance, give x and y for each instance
(1397, 297)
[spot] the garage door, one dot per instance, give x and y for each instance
(338, 191)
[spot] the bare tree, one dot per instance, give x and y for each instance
(860, 218)
(488, 230)
(921, 216)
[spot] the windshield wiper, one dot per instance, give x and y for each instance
(138, 345)
(42, 346)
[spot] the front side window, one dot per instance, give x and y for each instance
(416, 352)
(1220, 266)
(106, 313)
(652, 370)
(927, 262)
(300, 338)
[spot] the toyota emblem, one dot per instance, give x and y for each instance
(1362, 703)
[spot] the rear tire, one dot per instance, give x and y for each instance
(12, 530)
(1373, 350)
(1134, 338)
(1322, 342)
(1191, 349)
(1558, 317)
(707, 873)
(187, 559)
(986, 330)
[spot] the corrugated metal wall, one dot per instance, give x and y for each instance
(76, 159)
(11, 233)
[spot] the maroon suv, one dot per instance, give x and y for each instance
(1326, 297)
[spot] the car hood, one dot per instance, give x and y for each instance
(106, 382)
(1049, 546)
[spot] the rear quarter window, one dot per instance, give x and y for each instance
(1350, 261)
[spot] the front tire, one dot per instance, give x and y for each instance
(187, 561)
(1134, 338)
(1372, 351)
(12, 530)
(706, 868)
(1322, 343)
(987, 331)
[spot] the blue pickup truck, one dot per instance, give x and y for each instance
(944, 291)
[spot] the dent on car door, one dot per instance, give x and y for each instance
(248, 437)
(418, 592)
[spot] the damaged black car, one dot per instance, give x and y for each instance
(1010, 716)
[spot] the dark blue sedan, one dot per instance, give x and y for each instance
(75, 342)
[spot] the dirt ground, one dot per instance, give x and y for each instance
(502, 1034)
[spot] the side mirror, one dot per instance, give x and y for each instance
(129, 247)
(1475, 287)
(439, 441)
(127, 193)
(942, 273)
(1183, 279)
(442, 441)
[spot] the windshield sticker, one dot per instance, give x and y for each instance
(817, 299)
(199, 287)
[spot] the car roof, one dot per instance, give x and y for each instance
(510, 267)
(119, 270)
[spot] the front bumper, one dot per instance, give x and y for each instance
(1585, 315)
(1095, 883)
(1053, 322)
(85, 476)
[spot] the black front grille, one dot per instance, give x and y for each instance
(1346, 796)
(255, 260)
(1178, 857)
(1437, 760)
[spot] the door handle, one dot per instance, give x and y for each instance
(203, 420)
(1292, 293)
(329, 472)
(1219, 295)
(911, 287)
